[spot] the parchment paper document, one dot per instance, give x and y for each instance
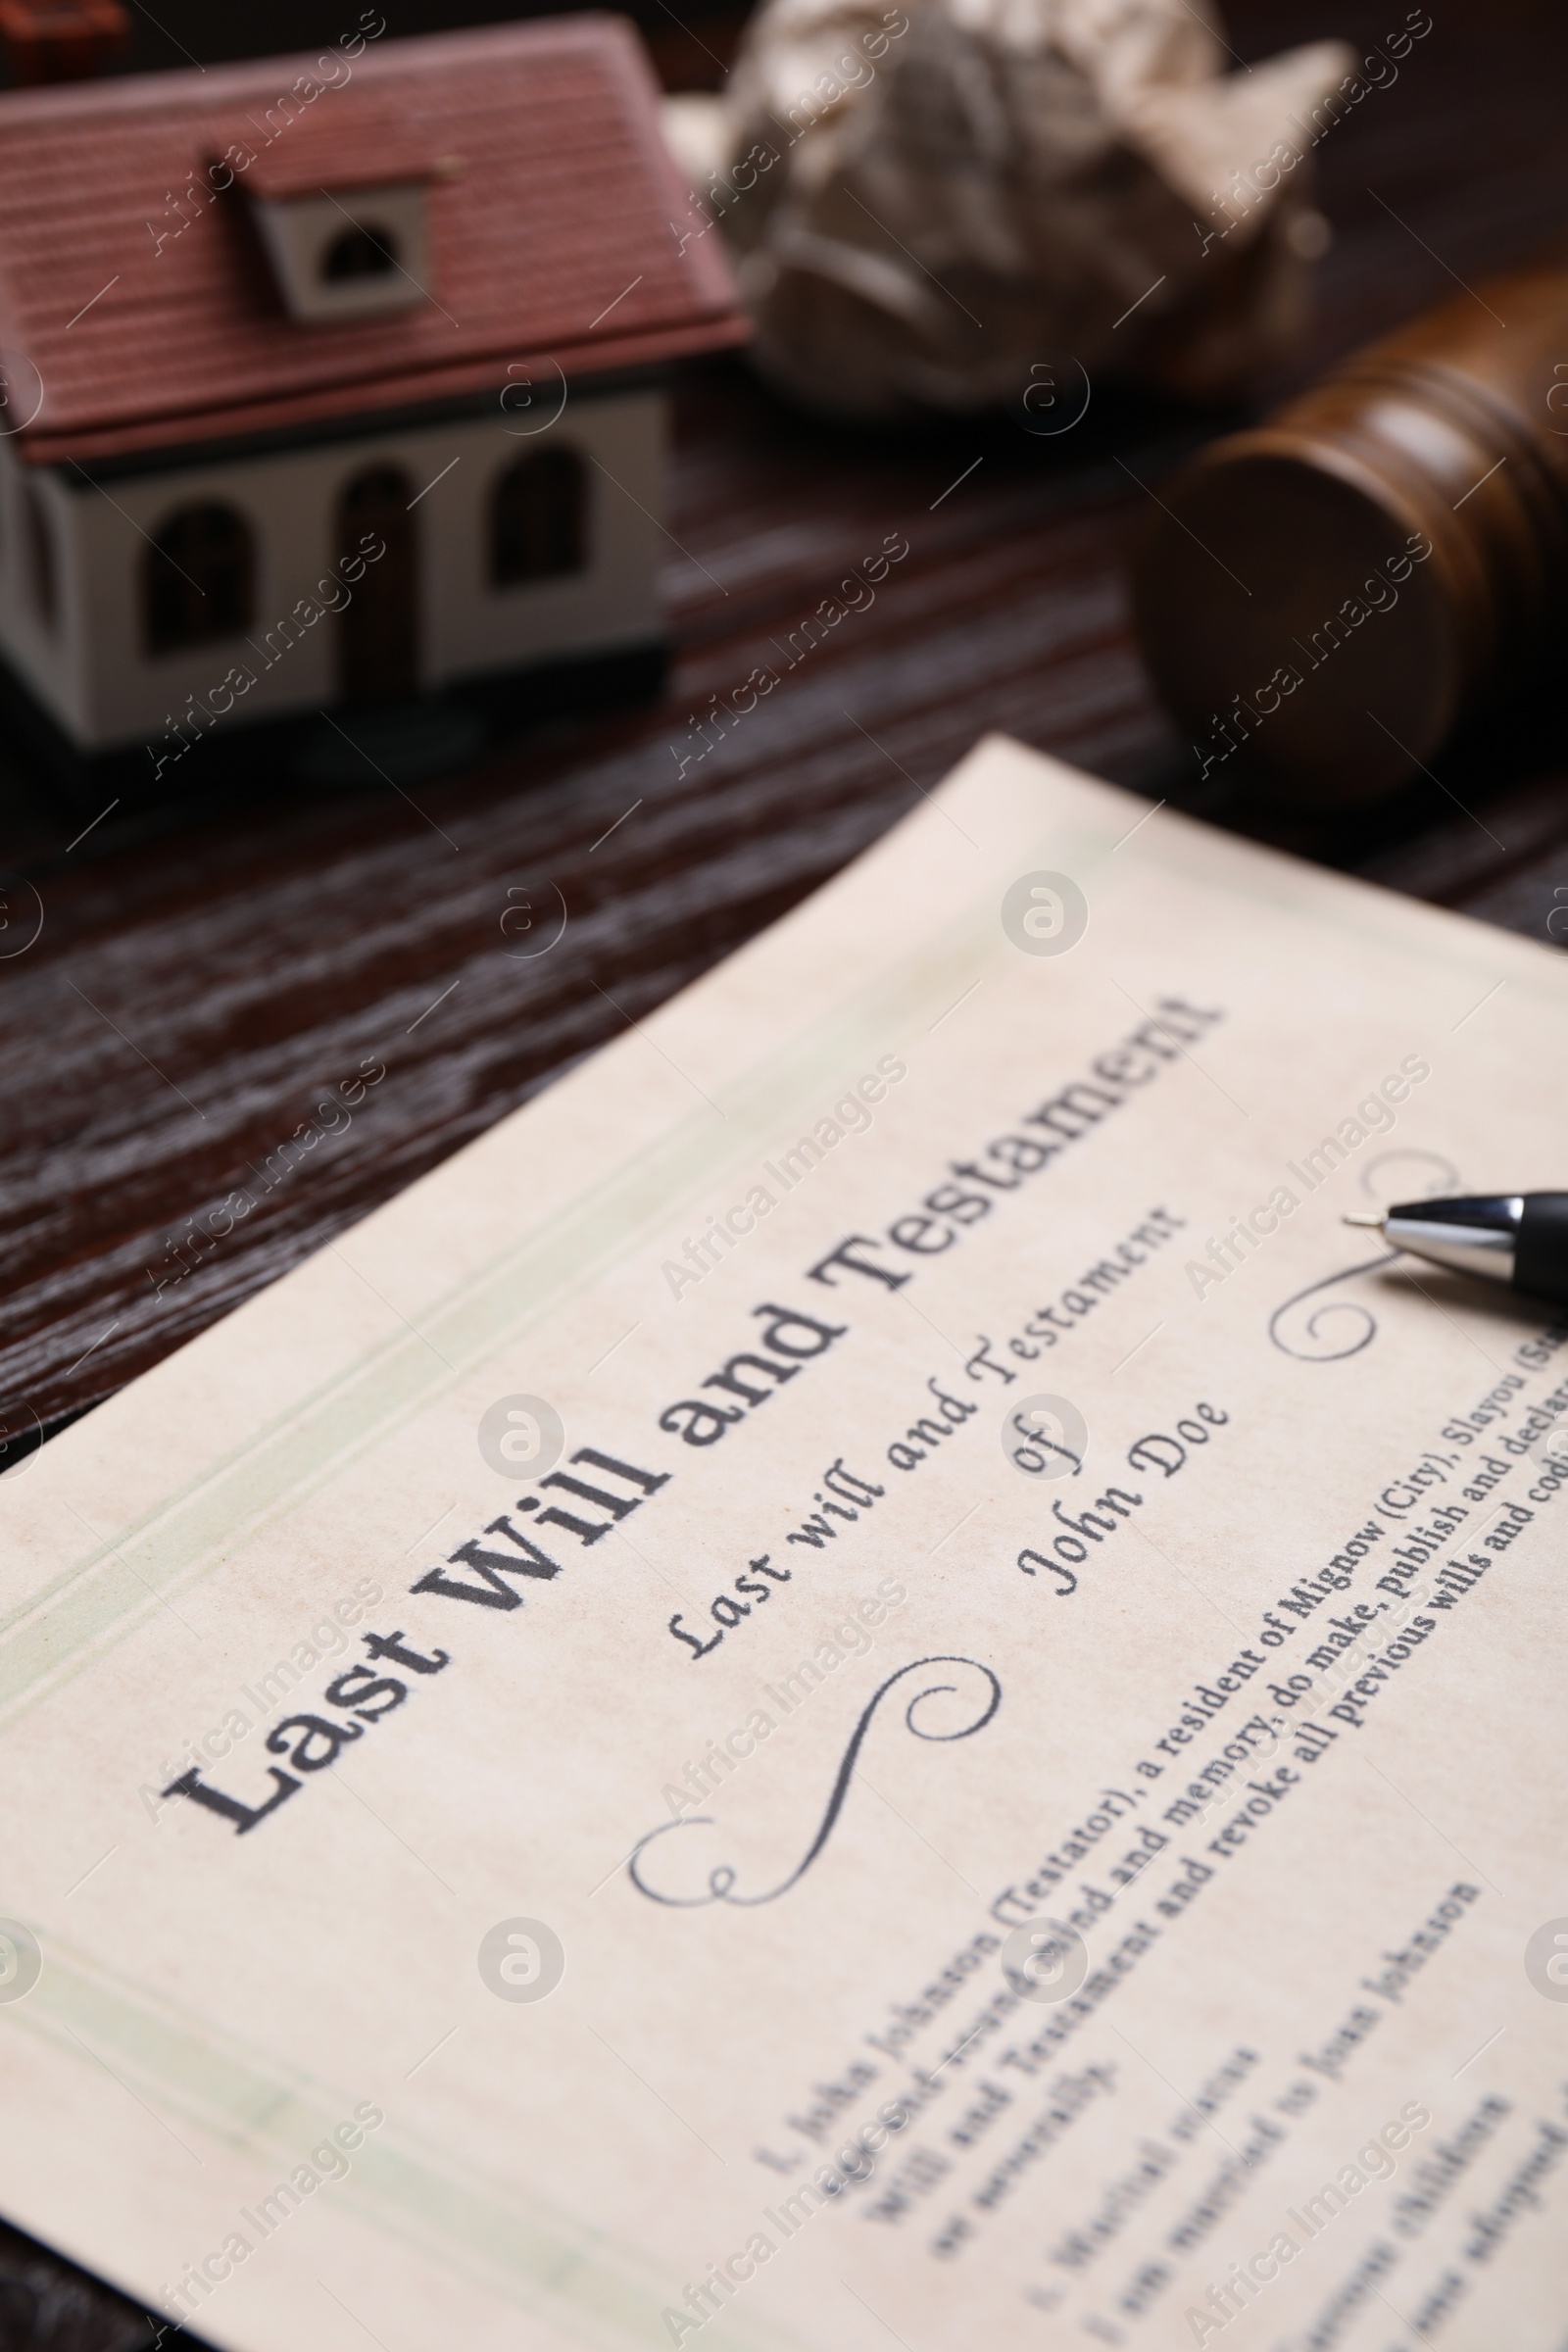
(861, 1682)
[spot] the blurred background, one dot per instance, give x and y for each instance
(691, 50)
(203, 967)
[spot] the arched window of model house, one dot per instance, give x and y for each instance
(359, 252)
(42, 570)
(199, 578)
(539, 518)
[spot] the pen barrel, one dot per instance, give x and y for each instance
(1541, 1256)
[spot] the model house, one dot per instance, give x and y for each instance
(335, 384)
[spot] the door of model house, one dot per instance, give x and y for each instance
(378, 630)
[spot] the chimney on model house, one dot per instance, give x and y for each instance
(62, 41)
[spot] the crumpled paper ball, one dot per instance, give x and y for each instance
(927, 201)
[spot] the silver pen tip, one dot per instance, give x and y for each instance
(1377, 1223)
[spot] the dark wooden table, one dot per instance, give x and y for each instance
(203, 972)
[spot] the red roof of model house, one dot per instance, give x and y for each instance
(548, 200)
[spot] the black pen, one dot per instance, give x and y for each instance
(1517, 1238)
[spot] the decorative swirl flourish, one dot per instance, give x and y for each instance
(1439, 1176)
(1363, 1322)
(1442, 1177)
(722, 1878)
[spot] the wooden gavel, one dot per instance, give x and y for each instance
(1322, 599)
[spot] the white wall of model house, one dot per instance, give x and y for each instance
(89, 665)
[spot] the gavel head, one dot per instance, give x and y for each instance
(1321, 599)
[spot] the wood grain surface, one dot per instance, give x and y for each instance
(205, 973)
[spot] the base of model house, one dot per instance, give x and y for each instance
(338, 748)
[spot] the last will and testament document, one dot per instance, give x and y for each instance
(861, 1682)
